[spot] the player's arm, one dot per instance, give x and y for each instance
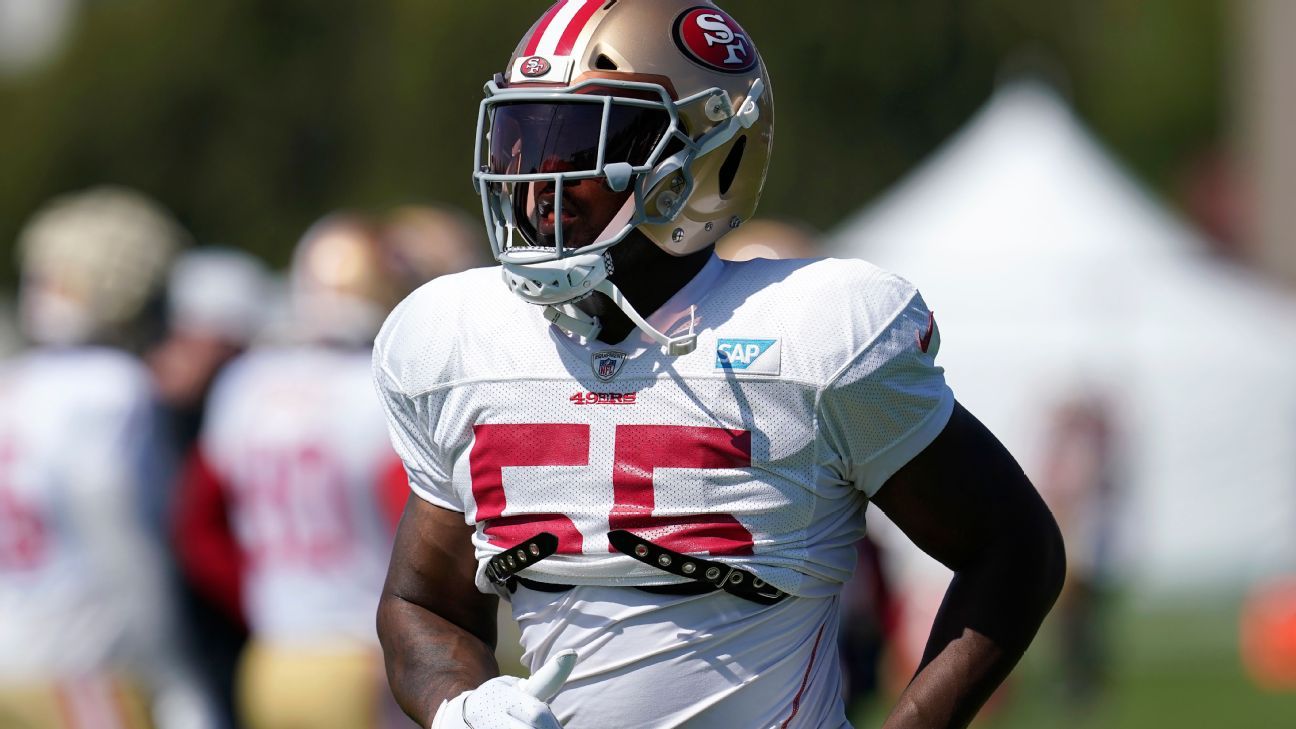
(437, 630)
(965, 501)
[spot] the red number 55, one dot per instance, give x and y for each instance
(639, 449)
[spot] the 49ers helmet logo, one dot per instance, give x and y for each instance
(710, 37)
(535, 66)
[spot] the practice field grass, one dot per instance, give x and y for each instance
(1173, 668)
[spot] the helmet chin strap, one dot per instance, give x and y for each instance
(569, 318)
(555, 284)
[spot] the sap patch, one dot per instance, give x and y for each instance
(750, 356)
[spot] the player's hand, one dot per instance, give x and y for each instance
(508, 702)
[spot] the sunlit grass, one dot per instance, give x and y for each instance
(1172, 667)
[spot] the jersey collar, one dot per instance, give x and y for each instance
(674, 315)
(680, 310)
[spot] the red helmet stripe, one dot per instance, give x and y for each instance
(534, 43)
(574, 28)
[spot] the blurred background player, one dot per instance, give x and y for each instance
(294, 451)
(434, 240)
(216, 306)
(87, 637)
(1079, 483)
(769, 238)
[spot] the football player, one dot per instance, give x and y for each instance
(287, 509)
(433, 240)
(215, 308)
(88, 635)
(662, 459)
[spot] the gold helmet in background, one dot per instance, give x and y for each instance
(770, 238)
(93, 264)
(434, 240)
(344, 280)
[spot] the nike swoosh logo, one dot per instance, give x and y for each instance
(924, 340)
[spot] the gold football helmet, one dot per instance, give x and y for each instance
(344, 280)
(434, 240)
(665, 102)
(94, 264)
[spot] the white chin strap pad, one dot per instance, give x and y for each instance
(672, 346)
(552, 282)
(571, 319)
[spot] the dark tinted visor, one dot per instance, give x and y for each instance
(545, 137)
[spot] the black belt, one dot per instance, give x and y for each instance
(717, 575)
(501, 568)
(704, 575)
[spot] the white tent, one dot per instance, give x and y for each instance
(1051, 271)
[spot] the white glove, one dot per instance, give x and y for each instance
(508, 702)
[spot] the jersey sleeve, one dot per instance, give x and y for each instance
(411, 420)
(889, 401)
(203, 537)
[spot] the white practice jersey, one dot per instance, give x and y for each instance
(812, 383)
(82, 586)
(298, 442)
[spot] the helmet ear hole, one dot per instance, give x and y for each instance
(603, 63)
(729, 170)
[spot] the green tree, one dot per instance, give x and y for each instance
(251, 118)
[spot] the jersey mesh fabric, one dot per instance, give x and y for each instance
(767, 466)
(882, 409)
(702, 662)
(850, 399)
